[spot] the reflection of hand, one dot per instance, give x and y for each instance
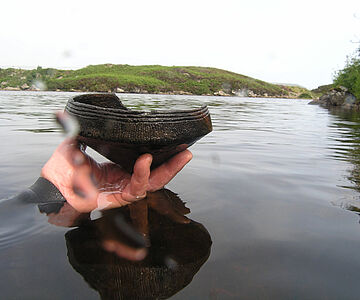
(168, 204)
(82, 180)
(124, 251)
(163, 202)
(67, 217)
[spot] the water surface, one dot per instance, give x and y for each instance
(275, 184)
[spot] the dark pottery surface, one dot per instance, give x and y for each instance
(122, 135)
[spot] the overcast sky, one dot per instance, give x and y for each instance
(301, 42)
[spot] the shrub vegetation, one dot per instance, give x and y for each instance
(349, 77)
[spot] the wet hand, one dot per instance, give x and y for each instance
(88, 185)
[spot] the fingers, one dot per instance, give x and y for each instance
(89, 196)
(124, 251)
(85, 193)
(139, 181)
(86, 196)
(77, 176)
(167, 171)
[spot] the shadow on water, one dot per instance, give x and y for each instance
(176, 249)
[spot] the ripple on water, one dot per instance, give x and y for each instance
(19, 223)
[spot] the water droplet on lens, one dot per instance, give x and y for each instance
(39, 85)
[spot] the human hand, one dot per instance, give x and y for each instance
(88, 185)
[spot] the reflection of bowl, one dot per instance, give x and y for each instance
(176, 254)
(122, 135)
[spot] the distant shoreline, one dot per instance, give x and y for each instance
(171, 94)
(148, 79)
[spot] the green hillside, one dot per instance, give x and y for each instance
(145, 79)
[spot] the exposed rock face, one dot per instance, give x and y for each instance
(240, 92)
(221, 93)
(24, 87)
(252, 94)
(339, 97)
(182, 93)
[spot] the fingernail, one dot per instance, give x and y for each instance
(189, 155)
(149, 158)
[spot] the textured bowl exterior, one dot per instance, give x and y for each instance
(121, 135)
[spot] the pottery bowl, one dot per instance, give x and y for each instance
(122, 135)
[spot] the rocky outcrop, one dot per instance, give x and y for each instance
(25, 86)
(338, 97)
(221, 93)
(119, 90)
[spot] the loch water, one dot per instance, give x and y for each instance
(276, 186)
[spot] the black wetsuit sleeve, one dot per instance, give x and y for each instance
(41, 192)
(46, 192)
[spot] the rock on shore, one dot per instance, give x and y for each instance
(338, 97)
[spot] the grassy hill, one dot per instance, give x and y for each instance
(146, 79)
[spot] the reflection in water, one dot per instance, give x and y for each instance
(348, 148)
(179, 247)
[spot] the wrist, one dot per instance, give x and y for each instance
(46, 191)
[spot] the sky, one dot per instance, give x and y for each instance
(297, 42)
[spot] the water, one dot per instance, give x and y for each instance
(276, 184)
